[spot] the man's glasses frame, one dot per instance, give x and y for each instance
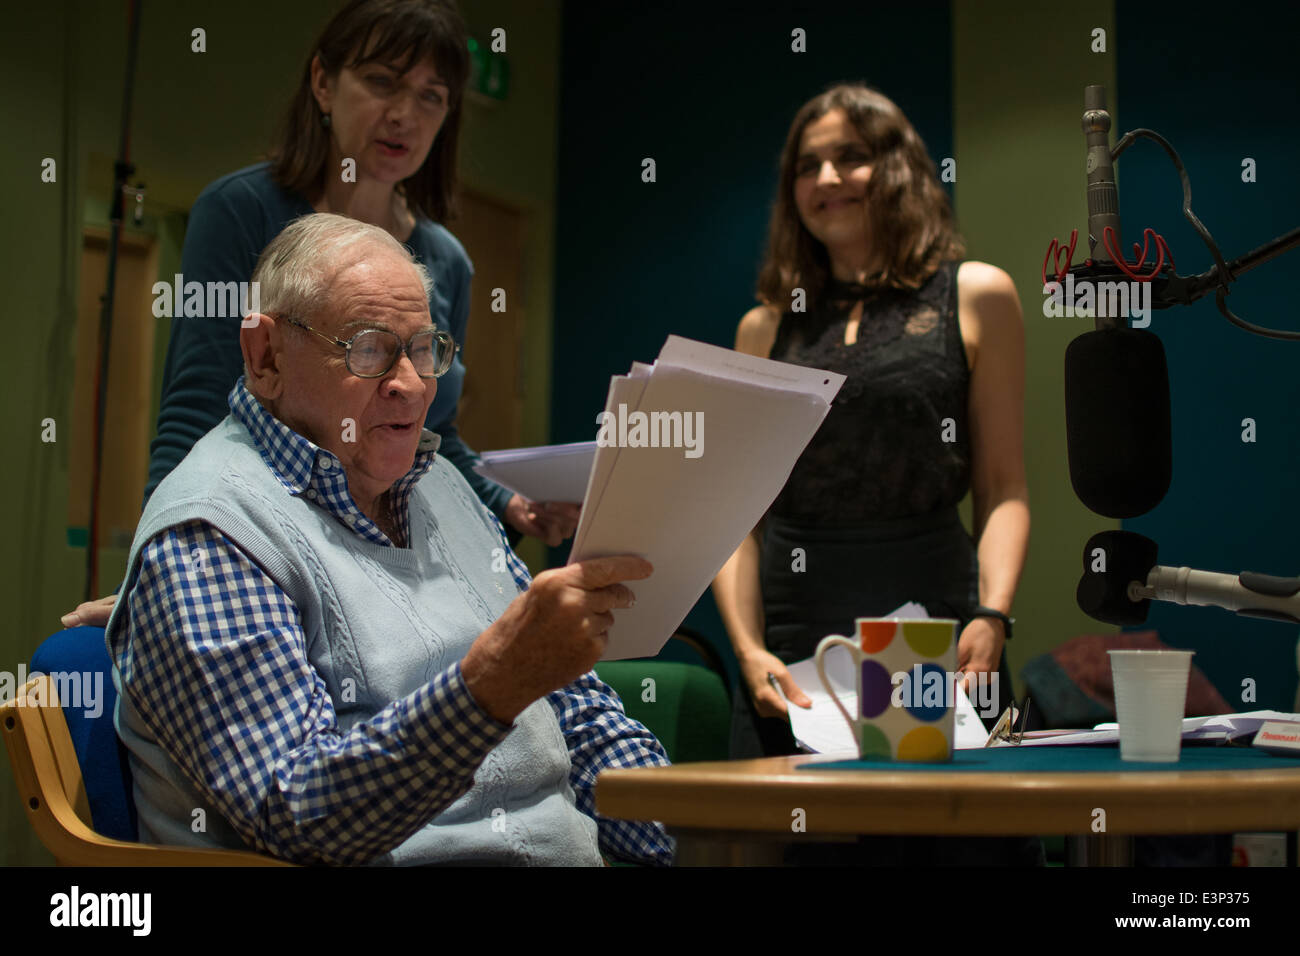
(446, 347)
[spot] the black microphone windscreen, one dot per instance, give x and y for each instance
(1112, 559)
(1117, 421)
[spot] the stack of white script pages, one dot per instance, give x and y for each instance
(690, 453)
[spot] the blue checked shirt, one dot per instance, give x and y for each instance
(260, 739)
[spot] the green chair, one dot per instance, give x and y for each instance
(687, 706)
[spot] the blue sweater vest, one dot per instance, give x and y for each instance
(382, 619)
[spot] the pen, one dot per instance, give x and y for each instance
(776, 684)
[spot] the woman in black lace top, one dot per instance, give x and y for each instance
(864, 276)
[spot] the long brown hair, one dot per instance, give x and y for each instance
(909, 218)
(400, 34)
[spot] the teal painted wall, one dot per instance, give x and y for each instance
(1220, 97)
(711, 104)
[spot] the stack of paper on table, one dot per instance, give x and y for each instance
(1217, 729)
(686, 507)
(822, 729)
(545, 473)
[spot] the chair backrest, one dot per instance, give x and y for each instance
(78, 661)
(52, 789)
(686, 706)
(46, 769)
(689, 637)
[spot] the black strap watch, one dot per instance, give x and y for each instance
(983, 611)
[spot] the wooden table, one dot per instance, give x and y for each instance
(740, 812)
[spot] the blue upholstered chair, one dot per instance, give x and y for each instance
(71, 770)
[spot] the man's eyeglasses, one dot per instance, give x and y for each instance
(373, 352)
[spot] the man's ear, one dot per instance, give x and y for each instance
(262, 342)
(322, 87)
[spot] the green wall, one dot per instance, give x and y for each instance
(1019, 69)
(37, 574)
(197, 116)
(508, 151)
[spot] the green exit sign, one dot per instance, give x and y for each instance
(489, 71)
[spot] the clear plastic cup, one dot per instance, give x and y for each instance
(1150, 696)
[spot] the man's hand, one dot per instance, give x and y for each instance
(551, 521)
(550, 635)
(91, 614)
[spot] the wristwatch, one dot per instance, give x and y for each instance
(983, 611)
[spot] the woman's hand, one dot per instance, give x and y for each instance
(754, 668)
(550, 521)
(91, 614)
(979, 648)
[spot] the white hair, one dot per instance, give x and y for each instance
(295, 271)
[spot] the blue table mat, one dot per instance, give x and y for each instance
(1074, 760)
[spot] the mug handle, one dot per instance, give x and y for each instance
(826, 644)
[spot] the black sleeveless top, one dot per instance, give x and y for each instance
(896, 442)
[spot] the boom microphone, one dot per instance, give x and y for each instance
(1117, 417)
(1117, 421)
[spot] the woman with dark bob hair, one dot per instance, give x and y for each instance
(371, 133)
(864, 276)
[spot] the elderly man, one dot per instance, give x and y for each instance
(327, 650)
